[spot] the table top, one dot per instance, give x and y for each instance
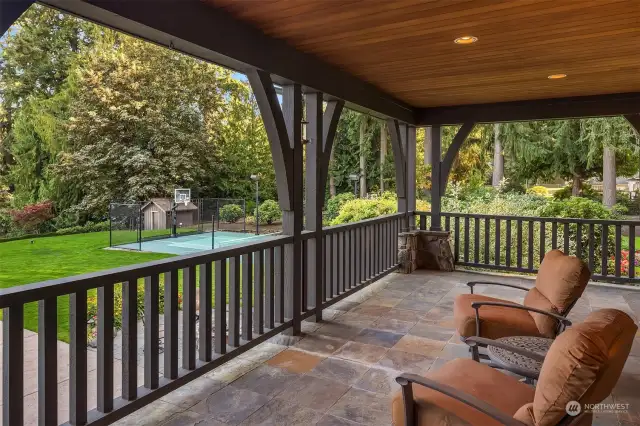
(539, 345)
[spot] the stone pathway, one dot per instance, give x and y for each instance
(339, 372)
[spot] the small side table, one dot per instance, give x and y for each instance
(520, 364)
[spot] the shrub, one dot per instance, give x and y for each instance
(361, 209)
(575, 207)
(587, 192)
(334, 205)
(269, 212)
(231, 213)
(32, 216)
(538, 190)
(423, 206)
(631, 206)
(88, 227)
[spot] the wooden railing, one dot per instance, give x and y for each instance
(252, 279)
(518, 243)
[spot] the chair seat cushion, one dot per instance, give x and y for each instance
(497, 389)
(495, 321)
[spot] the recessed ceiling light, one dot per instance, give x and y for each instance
(556, 76)
(465, 40)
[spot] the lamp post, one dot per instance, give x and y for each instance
(256, 178)
(354, 178)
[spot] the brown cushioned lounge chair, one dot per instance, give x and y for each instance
(583, 364)
(560, 282)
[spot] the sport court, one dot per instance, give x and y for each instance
(194, 243)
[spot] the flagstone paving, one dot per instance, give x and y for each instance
(341, 372)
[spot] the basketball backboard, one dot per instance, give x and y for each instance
(182, 196)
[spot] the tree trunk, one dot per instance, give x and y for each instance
(576, 187)
(383, 153)
(363, 159)
(498, 157)
(332, 181)
(608, 176)
(427, 146)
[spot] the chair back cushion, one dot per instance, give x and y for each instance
(583, 364)
(560, 283)
(562, 279)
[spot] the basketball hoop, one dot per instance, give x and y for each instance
(182, 196)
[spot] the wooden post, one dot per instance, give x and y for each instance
(321, 130)
(436, 164)
(398, 132)
(411, 175)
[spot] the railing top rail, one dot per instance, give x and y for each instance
(348, 226)
(62, 286)
(536, 218)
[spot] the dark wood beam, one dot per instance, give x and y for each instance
(399, 155)
(634, 121)
(436, 177)
(212, 34)
(543, 109)
(330, 120)
(10, 11)
(277, 133)
(452, 153)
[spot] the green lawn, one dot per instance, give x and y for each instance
(24, 262)
(625, 243)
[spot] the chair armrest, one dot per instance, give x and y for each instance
(406, 380)
(473, 283)
(489, 342)
(560, 318)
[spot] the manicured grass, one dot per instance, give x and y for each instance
(625, 243)
(24, 262)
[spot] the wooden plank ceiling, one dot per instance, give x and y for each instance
(406, 48)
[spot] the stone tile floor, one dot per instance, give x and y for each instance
(341, 371)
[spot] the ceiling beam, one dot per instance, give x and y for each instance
(213, 34)
(542, 109)
(10, 11)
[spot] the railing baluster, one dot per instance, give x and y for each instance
(204, 313)
(554, 235)
(367, 249)
(221, 307)
(591, 247)
(47, 362)
(632, 251)
(78, 357)
(340, 253)
(456, 239)
(151, 331)
(129, 340)
(566, 235)
(508, 245)
(171, 325)
(496, 247)
(530, 247)
(105, 349)
(334, 266)
(519, 243)
(359, 260)
(605, 249)
(305, 277)
(618, 253)
(579, 240)
(543, 248)
(247, 294)
(476, 240)
(13, 364)
(487, 235)
(352, 258)
(258, 289)
(189, 318)
(447, 223)
(234, 301)
(279, 284)
(423, 222)
(466, 239)
(327, 267)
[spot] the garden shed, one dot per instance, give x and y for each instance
(157, 214)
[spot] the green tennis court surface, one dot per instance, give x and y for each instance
(188, 244)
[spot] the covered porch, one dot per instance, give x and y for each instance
(342, 371)
(313, 326)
